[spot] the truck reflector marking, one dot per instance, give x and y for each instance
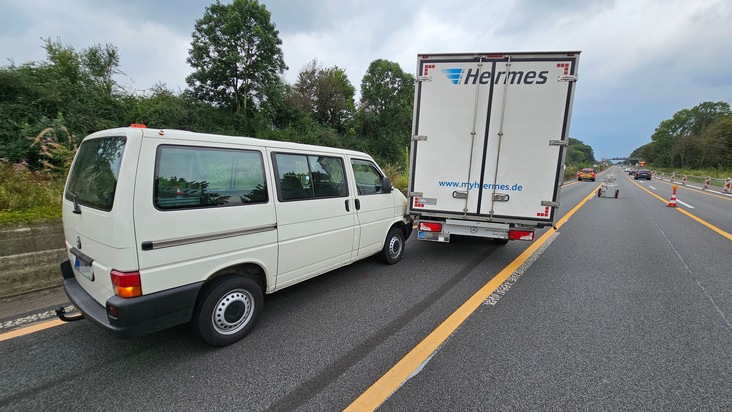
(564, 66)
(421, 201)
(427, 68)
(545, 213)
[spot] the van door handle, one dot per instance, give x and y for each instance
(358, 204)
(348, 209)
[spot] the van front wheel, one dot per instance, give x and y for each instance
(393, 250)
(227, 310)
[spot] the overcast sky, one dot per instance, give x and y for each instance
(641, 62)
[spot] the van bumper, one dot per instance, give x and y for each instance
(134, 316)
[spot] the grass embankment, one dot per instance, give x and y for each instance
(28, 196)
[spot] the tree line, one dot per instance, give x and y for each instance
(696, 138)
(237, 87)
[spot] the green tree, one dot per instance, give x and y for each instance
(385, 110)
(716, 143)
(69, 90)
(326, 94)
(676, 141)
(236, 55)
(579, 153)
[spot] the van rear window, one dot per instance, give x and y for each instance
(93, 179)
(194, 177)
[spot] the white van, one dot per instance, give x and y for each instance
(165, 227)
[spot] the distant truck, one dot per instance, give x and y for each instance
(490, 133)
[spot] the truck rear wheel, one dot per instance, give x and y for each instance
(227, 310)
(393, 250)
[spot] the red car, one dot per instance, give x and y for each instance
(587, 173)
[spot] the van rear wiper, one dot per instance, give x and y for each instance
(77, 209)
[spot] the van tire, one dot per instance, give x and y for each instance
(227, 310)
(500, 242)
(393, 250)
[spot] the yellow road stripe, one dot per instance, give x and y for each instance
(398, 374)
(30, 329)
(687, 213)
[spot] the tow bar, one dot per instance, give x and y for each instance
(61, 313)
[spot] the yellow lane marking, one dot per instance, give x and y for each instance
(399, 373)
(30, 329)
(687, 213)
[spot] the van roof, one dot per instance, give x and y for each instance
(183, 135)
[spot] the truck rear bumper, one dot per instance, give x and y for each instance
(135, 316)
(462, 228)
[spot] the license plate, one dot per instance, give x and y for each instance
(85, 269)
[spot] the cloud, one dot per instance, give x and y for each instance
(641, 61)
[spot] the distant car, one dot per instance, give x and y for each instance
(587, 173)
(643, 174)
(632, 172)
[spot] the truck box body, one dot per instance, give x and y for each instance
(489, 140)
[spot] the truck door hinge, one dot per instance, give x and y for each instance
(558, 143)
(424, 78)
(419, 137)
(549, 203)
(568, 78)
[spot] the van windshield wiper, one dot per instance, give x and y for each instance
(77, 209)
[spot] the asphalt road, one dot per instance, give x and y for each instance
(625, 307)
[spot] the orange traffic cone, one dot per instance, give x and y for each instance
(672, 202)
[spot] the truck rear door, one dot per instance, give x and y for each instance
(489, 135)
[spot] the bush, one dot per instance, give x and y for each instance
(28, 193)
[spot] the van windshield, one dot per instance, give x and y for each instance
(93, 178)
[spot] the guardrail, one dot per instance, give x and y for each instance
(722, 185)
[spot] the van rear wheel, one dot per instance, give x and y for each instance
(227, 310)
(393, 250)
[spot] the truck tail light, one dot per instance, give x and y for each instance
(521, 235)
(430, 227)
(126, 284)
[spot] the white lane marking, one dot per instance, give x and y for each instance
(12, 324)
(652, 187)
(514, 277)
(685, 204)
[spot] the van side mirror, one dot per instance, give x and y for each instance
(386, 186)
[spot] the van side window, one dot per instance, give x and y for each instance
(309, 176)
(368, 178)
(194, 177)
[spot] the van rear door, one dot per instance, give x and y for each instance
(97, 209)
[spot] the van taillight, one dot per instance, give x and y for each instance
(126, 284)
(430, 227)
(521, 235)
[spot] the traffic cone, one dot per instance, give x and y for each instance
(672, 202)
